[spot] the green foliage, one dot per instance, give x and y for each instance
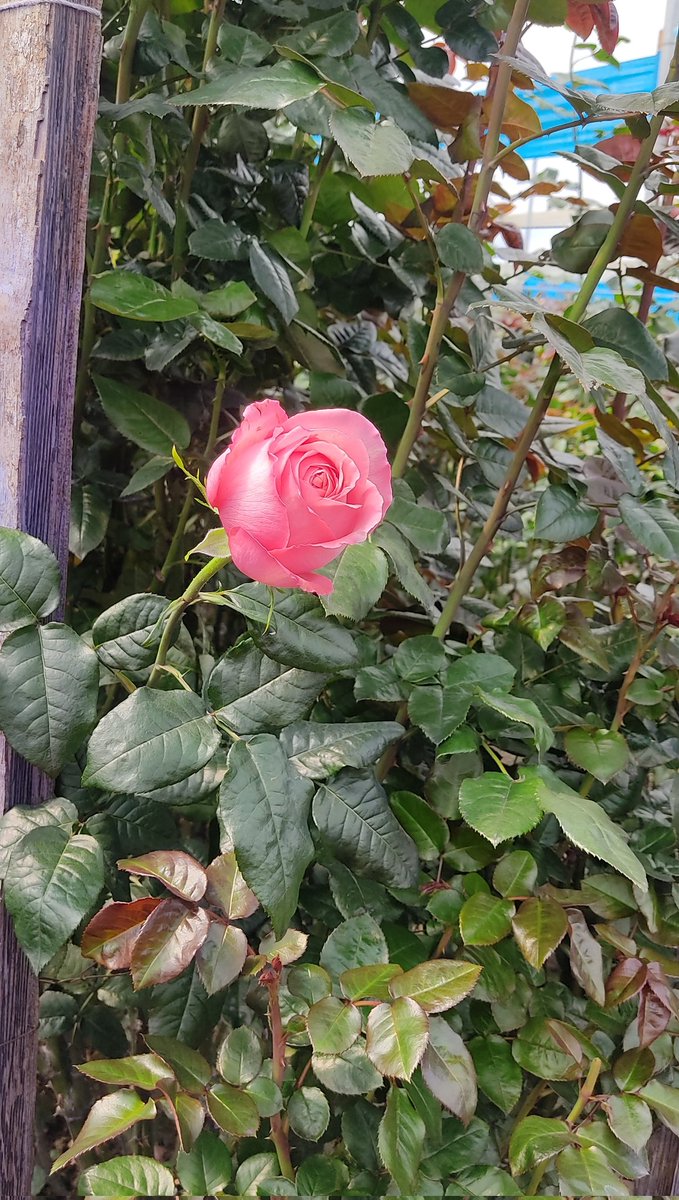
(374, 893)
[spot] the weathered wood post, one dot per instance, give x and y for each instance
(50, 53)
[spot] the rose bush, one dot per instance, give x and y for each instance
(292, 492)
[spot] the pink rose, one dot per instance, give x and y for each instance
(292, 492)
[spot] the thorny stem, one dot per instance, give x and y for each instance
(177, 612)
(314, 191)
(278, 1134)
(445, 301)
(629, 677)
(201, 117)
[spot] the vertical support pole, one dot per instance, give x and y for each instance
(49, 70)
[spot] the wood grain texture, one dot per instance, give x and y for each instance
(49, 68)
(663, 1153)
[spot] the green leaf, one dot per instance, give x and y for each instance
(29, 579)
(263, 810)
(128, 1175)
(653, 526)
(448, 1070)
(221, 957)
(537, 1050)
(308, 1113)
(349, 1074)
(397, 1036)
(353, 814)
(266, 1095)
(227, 301)
(320, 1175)
(17, 822)
(374, 148)
(144, 420)
(634, 1068)
(332, 36)
(317, 750)
(586, 1171)
(207, 1168)
(373, 981)
(52, 882)
(49, 680)
(128, 294)
(523, 712)
(126, 636)
(539, 926)
(219, 241)
(156, 468)
(357, 942)
(272, 87)
(90, 510)
(401, 1140)
(587, 825)
(333, 1025)
(436, 985)
(420, 658)
(587, 962)
(664, 1100)
(359, 578)
(536, 1139)
(485, 919)
(227, 889)
(296, 633)
(618, 329)
(425, 527)
(251, 693)
(271, 277)
(499, 807)
(398, 551)
(498, 1075)
(138, 1070)
(151, 740)
(440, 710)
(515, 874)
(108, 1118)
(630, 1120)
(217, 333)
(168, 942)
(601, 752)
(254, 1173)
(428, 831)
(239, 1058)
(233, 1110)
(193, 1072)
(542, 621)
(561, 517)
(459, 249)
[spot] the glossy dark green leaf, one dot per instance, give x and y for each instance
(349, 1074)
(17, 822)
(459, 249)
(653, 524)
(251, 693)
(620, 330)
(49, 679)
(357, 942)
(144, 420)
(359, 578)
(586, 1171)
(129, 294)
(353, 814)
(271, 277)
(561, 516)
(29, 579)
(425, 527)
(485, 919)
(664, 1100)
(90, 510)
(52, 883)
(535, 1139)
(206, 1168)
(498, 1075)
(318, 750)
(521, 712)
(427, 829)
(234, 1111)
(374, 148)
(271, 87)
(308, 1113)
(601, 752)
(126, 636)
(515, 874)
(401, 1140)
(239, 1057)
(193, 1072)
(296, 633)
(151, 740)
(263, 809)
(448, 1070)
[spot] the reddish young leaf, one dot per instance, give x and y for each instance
(227, 889)
(625, 981)
(168, 943)
(607, 25)
(653, 1018)
(580, 18)
(623, 146)
(110, 936)
(179, 872)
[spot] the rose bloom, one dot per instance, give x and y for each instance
(292, 492)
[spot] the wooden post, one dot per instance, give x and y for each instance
(49, 68)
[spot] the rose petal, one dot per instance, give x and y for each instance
(261, 564)
(242, 488)
(351, 429)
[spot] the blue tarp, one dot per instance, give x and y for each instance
(640, 75)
